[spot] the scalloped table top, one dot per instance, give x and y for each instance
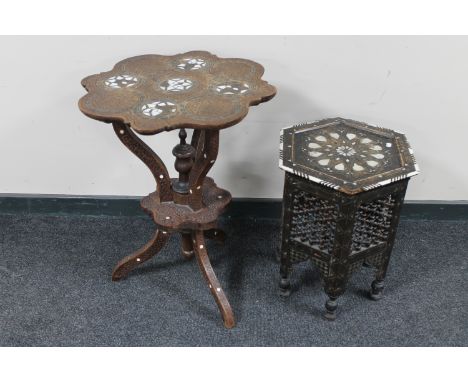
(197, 89)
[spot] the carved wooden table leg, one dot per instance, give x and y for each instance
(284, 258)
(205, 157)
(148, 157)
(187, 245)
(193, 161)
(377, 286)
(285, 280)
(163, 181)
(145, 253)
(212, 280)
(336, 279)
(215, 234)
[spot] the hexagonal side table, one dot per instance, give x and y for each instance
(345, 183)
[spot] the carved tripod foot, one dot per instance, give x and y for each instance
(210, 277)
(145, 253)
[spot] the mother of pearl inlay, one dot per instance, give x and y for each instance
(176, 84)
(191, 64)
(121, 81)
(158, 108)
(345, 152)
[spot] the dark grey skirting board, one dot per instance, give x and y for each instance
(240, 207)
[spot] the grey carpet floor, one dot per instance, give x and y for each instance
(55, 289)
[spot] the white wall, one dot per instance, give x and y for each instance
(417, 85)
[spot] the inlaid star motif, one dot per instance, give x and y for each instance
(121, 81)
(176, 84)
(158, 108)
(344, 152)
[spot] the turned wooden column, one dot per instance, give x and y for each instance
(184, 154)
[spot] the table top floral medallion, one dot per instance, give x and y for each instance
(197, 89)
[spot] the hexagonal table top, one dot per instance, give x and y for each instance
(196, 89)
(346, 155)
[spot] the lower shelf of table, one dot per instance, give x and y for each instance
(175, 216)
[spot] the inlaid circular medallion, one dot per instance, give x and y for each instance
(121, 81)
(154, 93)
(158, 109)
(232, 88)
(191, 64)
(176, 85)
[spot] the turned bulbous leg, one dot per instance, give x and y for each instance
(278, 255)
(376, 291)
(285, 281)
(330, 309)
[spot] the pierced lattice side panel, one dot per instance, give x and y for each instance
(376, 260)
(372, 223)
(322, 266)
(354, 267)
(313, 221)
(297, 257)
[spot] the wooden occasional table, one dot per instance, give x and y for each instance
(196, 90)
(344, 187)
